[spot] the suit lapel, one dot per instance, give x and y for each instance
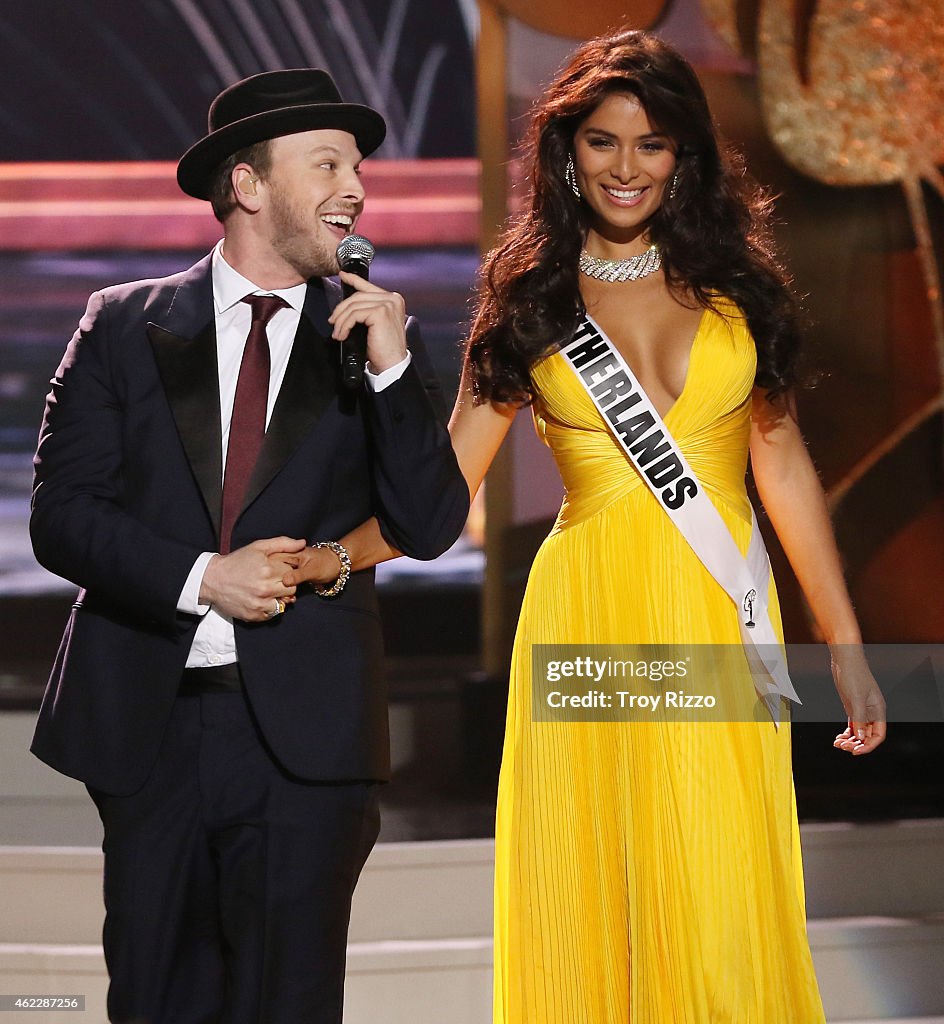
(184, 345)
(191, 383)
(311, 382)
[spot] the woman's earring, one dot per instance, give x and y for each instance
(673, 186)
(570, 176)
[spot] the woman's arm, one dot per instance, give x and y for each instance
(477, 432)
(790, 489)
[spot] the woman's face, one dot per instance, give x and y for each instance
(623, 166)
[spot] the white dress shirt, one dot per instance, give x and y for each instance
(214, 642)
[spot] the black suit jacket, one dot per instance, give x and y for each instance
(127, 494)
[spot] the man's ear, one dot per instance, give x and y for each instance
(244, 186)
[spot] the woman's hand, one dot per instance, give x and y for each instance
(862, 699)
(313, 565)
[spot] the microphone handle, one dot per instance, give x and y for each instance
(354, 346)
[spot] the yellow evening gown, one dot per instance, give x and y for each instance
(646, 873)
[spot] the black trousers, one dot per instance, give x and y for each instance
(228, 882)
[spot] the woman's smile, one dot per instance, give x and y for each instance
(623, 165)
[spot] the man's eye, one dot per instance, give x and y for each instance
(329, 165)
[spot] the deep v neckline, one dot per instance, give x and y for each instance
(703, 319)
(692, 350)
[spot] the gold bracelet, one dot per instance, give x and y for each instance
(343, 576)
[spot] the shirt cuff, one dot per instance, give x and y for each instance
(379, 381)
(189, 600)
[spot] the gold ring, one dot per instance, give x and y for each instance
(279, 608)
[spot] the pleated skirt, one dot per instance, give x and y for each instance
(647, 872)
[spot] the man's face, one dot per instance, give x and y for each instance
(314, 197)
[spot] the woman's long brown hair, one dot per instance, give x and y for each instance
(713, 232)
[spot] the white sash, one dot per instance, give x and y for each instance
(640, 432)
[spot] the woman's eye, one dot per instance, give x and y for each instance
(652, 147)
(599, 143)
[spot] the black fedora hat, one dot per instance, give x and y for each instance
(269, 105)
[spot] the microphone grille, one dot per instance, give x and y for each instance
(354, 249)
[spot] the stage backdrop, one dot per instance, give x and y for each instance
(113, 80)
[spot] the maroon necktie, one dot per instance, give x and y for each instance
(247, 427)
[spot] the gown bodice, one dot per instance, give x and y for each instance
(710, 421)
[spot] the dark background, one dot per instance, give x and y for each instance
(120, 80)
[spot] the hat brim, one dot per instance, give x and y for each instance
(195, 168)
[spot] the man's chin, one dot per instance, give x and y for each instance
(316, 268)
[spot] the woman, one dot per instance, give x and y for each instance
(648, 873)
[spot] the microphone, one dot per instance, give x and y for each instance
(354, 256)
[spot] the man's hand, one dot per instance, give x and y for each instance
(313, 565)
(246, 583)
(384, 315)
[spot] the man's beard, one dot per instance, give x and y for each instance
(297, 240)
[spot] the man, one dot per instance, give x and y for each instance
(231, 731)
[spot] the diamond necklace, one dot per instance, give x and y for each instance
(631, 269)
